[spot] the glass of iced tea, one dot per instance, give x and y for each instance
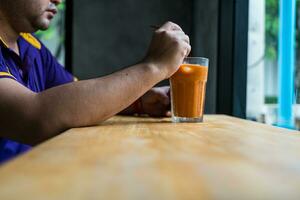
(188, 87)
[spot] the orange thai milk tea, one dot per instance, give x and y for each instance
(188, 90)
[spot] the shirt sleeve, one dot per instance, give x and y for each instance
(55, 72)
(4, 72)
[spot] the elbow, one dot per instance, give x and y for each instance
(48, 127)
(43, 130)
(49, 123)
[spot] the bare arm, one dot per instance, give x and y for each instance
(32, 118)
(72, 105)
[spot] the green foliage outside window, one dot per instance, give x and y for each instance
(272, 28)
(271, 37)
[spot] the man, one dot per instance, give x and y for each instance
(39, 99)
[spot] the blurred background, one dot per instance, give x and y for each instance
(268, 84)
(241, 38)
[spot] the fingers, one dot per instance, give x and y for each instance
(174, 29)
(168, 48)
(170, 26)
(181, 36)
(159, 106)
(186, 38)
(187, 50)
(163, 98)
(165, 89)
(168, 114)
(163, 94)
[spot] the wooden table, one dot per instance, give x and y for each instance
(144, 158)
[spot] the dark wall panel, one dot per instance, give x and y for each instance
(205, 43)
(109, 35)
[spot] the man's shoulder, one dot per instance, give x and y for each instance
(31, 39)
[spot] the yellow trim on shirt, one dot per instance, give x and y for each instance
(29, 38)
(32, 40)
(4, 43)
(6, 74)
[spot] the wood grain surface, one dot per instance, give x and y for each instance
(145, 158)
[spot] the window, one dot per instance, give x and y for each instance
(271, 60)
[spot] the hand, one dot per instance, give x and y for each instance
(156, 102)
(169, 46)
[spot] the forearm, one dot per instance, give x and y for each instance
(89, 102)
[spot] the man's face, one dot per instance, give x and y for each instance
(30, 15)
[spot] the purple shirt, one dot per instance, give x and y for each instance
(35, 69)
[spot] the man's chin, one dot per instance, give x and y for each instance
(42, 25)
(43, 28)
